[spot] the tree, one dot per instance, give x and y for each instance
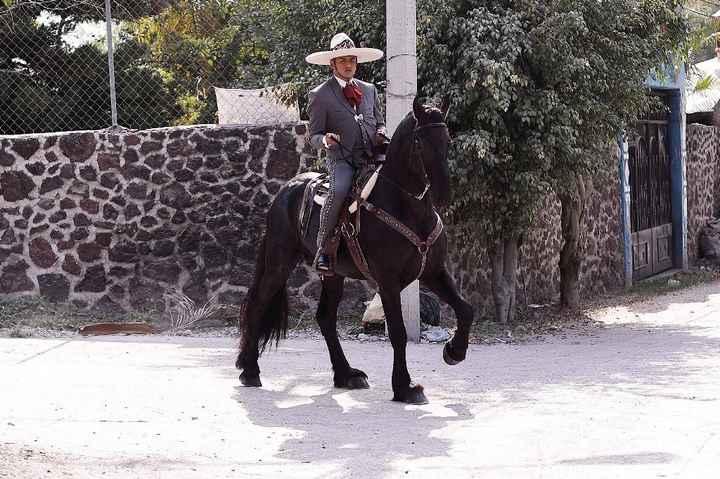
(498, 159)
(46, 85)
(534, 87)
(304, 26)
(608, 51)
(198, 44)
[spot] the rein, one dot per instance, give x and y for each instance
(423, 247)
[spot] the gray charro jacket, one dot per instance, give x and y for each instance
(330, 112)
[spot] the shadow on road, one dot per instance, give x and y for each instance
(644, 360)
(348, 429)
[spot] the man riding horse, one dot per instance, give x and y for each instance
(396, 234)
(346, 121)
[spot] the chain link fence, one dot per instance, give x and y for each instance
(165, 64)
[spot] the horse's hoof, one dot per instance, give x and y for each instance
(414, 395)
(250, 381)
(355, 380)
(448, 357)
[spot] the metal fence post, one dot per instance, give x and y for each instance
(111, 63)
(37, 43)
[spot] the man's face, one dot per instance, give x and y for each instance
(344, 67)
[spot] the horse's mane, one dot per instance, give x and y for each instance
(404, 131)
(402, 136)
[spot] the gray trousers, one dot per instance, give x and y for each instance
(341, 178)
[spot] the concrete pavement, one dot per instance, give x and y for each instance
(639, 398)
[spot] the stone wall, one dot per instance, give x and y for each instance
(112, 220)
(539, 275)
(703, 179)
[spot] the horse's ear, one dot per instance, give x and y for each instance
(445, 108)
(418, 109)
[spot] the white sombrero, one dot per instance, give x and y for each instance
(342, 46)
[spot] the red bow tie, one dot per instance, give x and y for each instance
(353, 94)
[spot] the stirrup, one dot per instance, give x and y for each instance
(329, 249)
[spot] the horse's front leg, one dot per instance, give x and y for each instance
(403, 389)
(443, 285)
(344, 376)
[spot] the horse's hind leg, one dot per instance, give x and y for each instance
(403, 389)
(326, 316)
(444, 286)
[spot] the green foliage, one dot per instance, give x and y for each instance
(196, 45)
(73, 12)
(703, 29)
(169, 57)
(47, 86)
(705, 83)
(304, 26)
(498, 158)
(534, 88)
(252, 44)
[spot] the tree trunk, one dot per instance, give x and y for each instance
(504, 258)
(573, 203)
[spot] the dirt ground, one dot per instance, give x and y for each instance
(634, 392)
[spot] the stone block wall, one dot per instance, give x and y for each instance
(112, 220)
(539, 274)
(703, 180)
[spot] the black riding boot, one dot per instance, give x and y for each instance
(324, 264)
(325, 258)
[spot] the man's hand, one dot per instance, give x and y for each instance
(331, 139)
(381, 136)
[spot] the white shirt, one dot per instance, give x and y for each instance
(341, 81)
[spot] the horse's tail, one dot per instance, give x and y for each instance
(273, 322)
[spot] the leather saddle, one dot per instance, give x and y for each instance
(362, 187)
(348, 226)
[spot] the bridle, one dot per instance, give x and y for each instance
(417, 144)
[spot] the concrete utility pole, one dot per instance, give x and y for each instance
(400, 93)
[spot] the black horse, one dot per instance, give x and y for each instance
(416, 163)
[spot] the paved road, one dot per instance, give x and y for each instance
(639, 398)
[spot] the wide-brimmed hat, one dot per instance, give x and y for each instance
(342, 45)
